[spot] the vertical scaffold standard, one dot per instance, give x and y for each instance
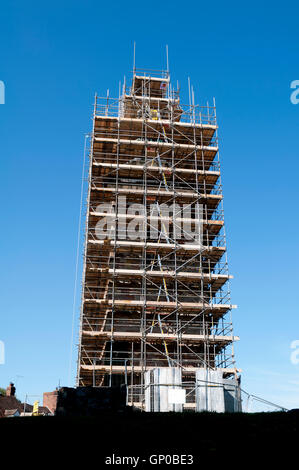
(155, 279)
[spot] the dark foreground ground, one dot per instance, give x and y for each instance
(233, 439)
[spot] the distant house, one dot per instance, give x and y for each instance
(26, 409)
(44, 411)
(9, 403)
(11, 413)
(11, 407)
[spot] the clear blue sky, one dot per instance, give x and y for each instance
(53, 58)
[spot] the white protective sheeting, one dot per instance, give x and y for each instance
(214, 393)
(209, 390)
(161, 385)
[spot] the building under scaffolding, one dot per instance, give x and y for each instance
(156, 309)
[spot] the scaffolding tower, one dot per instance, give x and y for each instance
(155, 279)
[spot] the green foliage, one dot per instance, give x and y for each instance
(2, 391)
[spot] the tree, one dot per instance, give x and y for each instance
(2, 391)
